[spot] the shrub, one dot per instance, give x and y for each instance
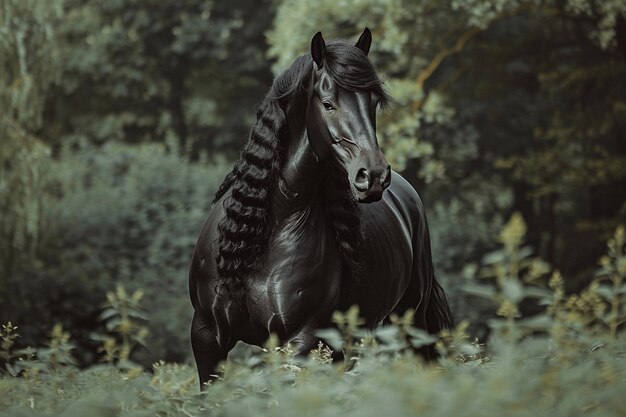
(567, 360)
(116, 214)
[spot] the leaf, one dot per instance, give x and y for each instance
(468, 349)
(494, 257)
(12, 371)
(536, 292)
(107, 313)
(138, 315)
(112, 324)
(387, 334)
(605, 292)
(420, 337)
(512, 289)
(539, 322)
(524, 252)
(485, 291)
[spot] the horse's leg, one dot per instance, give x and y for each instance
(306, 341)
(424, 294)
(206, 350)
(414, 299)
(432, 312)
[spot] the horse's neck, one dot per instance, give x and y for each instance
(298, 182)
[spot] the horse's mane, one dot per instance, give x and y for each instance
(245, 229)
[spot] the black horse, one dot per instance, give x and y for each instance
(286, 244)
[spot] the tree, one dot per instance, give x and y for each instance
(148, 70)
(500, 106)
(28, 67)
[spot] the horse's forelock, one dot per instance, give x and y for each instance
(352, 70)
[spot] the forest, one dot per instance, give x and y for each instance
(120, 118)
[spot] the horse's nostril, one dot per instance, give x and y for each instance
(385, 179)
(362, 180)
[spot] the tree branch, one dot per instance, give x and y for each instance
(443, 54)
(458, 46)
(438, 59)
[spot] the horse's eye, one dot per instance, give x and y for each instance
(327, 105)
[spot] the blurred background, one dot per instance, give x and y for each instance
(119, 119)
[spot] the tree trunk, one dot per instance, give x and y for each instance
(175, 106)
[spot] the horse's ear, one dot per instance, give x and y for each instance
(318, 49)
(365, 41)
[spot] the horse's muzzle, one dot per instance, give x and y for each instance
(369, 185)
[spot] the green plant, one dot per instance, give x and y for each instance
(8, 336)
(116, 214)
(123, 317)
(611, 283)
(564, 359)
(515, 277)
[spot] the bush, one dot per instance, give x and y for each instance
(567, 360)
(116, 214)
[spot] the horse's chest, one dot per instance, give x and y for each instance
(300, 279)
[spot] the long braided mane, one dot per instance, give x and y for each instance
(245, 230)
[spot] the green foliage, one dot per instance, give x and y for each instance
(122, 315)
(396, 26)
(605, 12)
(590, 319)
(140, 71)
(566, 360)
(501, 106)
(611, 283)
(28, 67)
(116, 214)
(8, 335)
(23, 163)
(30, 64)
(411, 41)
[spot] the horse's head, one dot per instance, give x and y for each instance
(341, 114)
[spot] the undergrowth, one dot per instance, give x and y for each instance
(564, 357)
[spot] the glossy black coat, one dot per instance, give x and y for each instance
(302, 280)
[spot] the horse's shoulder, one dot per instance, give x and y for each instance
(215, 214)
(404, 192)
(205, 250)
